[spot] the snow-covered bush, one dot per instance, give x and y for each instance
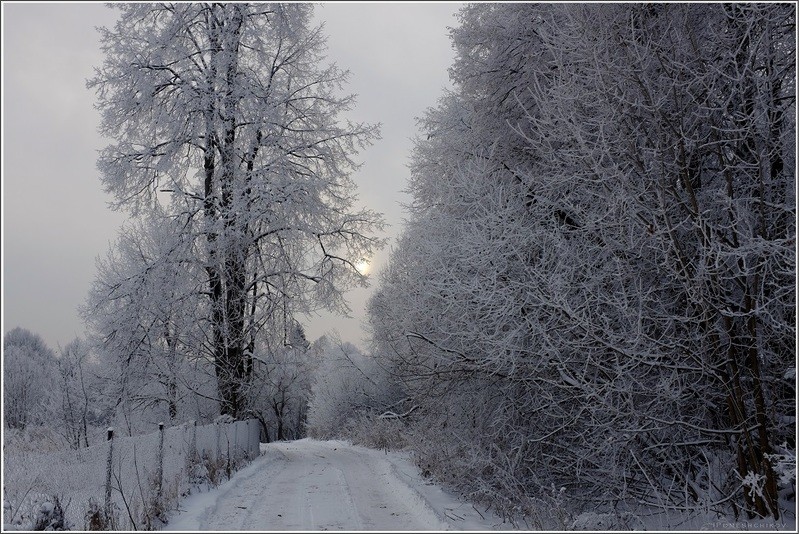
(378, 431)
(784, 462)
(96, 518)
(40, 512)
(50, 516)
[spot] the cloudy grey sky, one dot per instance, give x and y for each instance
(55, 215)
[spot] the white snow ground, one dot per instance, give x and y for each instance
(328, 485)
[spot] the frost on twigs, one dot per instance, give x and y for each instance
(784, 462)
(96, 518)
(350, 391)
(597, 521)
(595, 286)
(50, 516)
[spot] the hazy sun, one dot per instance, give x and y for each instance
(363, 267)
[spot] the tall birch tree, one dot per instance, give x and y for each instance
(229, 117)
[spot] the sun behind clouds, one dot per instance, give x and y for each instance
(363, 267)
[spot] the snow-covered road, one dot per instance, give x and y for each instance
(327, 485)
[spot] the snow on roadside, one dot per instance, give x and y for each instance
(456, 513)
(194, 509)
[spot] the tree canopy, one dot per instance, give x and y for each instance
(229, 137)
(597, 279)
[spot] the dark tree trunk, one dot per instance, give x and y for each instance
(228, 287)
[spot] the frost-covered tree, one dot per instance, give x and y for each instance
(144, 309)
(346, 384)
(283, 370)
(75, 391)
(596, 280)
(83, 406)
(29, 374)
(228, 116)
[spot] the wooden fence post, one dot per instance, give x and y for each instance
(255, 439)
(247, 445)
(252, 444)
(229, 468)
(236, 425)
(108, 471)
(160, 474)
(193, 447)
(217, 428)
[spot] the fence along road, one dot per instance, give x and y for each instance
(326, 485)
(124, 474)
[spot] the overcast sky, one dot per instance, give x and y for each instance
(55, 215)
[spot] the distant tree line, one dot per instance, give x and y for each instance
(60, 397)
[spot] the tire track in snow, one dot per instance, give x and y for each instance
(354, 514)
(228, 511)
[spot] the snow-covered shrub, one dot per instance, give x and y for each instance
(211, 470)
(460, 444)
(50, 516)
(98, 519)
(377, 431)
(784, 463)
(33, 510)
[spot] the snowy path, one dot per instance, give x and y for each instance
(327, 485)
